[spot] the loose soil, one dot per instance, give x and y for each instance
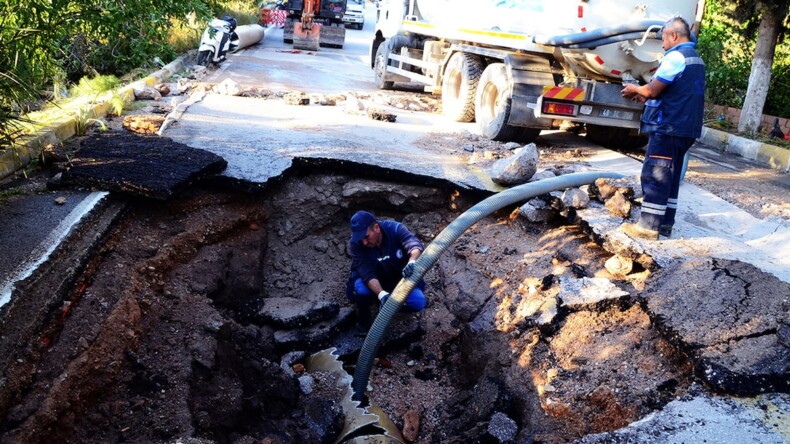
(160, 341)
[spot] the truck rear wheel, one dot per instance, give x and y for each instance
(459, 84)
(380, 66)
(492, 104)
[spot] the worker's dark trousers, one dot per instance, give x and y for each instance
(661, 179)
(359, 293)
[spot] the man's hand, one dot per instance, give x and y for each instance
(630, 90)
(408, 270)
(383, 296)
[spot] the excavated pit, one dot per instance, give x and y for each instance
(163, 337)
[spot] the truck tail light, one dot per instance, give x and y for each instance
(559, 108)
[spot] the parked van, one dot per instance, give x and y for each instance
(355, 14)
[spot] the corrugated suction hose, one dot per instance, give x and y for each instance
(436, 248)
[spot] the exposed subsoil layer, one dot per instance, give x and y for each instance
(161, 340)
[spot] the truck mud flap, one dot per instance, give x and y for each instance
(333, 36)
(528, 76)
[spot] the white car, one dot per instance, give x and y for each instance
(355, 13)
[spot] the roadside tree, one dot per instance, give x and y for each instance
(770, 20)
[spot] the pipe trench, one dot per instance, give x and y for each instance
(442, 241)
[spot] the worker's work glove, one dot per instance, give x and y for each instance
(408, 270)
(383, 296)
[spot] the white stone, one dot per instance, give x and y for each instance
(306, 384)
(516, 169)
(575, 198)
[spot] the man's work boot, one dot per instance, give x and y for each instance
(637, 232)
(665, 230)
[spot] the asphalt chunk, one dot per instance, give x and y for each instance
(149, 166)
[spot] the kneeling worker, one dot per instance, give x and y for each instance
(382, 251)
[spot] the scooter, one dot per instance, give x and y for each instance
(218, 39)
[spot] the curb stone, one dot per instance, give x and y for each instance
(767, 155)
(30, 146)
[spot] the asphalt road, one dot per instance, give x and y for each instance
(276, 65)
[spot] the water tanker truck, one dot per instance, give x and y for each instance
(517, 67)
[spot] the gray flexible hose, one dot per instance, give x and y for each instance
(613, 39)
(595, 34)
(431, 255)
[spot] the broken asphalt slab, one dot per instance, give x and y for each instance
(262, 139)
(149, 166)
(700, 417)
(705, 226)
(730, 319)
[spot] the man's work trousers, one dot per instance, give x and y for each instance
(661, 179)
(359, 293)
(362, 295)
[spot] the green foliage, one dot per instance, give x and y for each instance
(778, 103)
(48, 43)
(727, 57)
(95, 86)
(245, 12)
(117, 105)
(726, 44)
(85, 120)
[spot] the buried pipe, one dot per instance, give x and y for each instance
(443, 240)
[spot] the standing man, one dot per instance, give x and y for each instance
(674, 104)
(382, 251)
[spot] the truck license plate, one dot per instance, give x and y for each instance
(616, 114)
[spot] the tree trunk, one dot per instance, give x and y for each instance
(760, 77)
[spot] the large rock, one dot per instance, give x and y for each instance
(605, 187)
(540, 175)
(619, 205)
(516, 169)
(316, 336)
(293, 313)
(729, 318)
(501, 429)
(578, 294)
(575, 198)
(537, 210)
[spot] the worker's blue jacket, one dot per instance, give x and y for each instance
(678, 110)
(386, 262)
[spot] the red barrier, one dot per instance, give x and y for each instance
(273, 17)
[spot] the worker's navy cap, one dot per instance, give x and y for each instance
(360, 222)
